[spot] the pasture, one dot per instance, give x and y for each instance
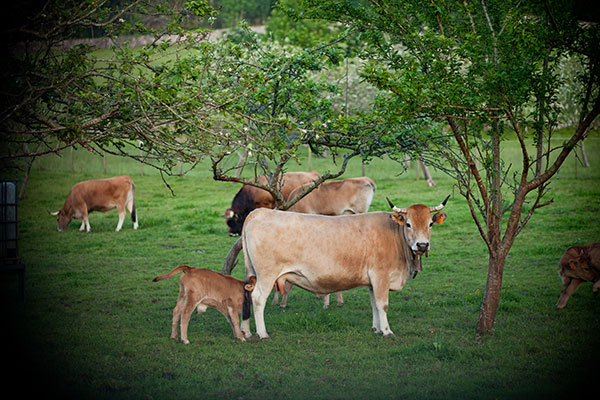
(95, 326)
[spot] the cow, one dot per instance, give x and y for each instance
(325, 254)
(250, 197)
(202, 288)
(98, 195)
(345, 196)
(577, 265)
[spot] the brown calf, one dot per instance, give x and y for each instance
(202, 288)
(579, 264)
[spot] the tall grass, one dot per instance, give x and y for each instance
(94, 325)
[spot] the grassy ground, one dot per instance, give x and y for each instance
(95, 325)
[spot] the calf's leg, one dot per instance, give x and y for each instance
(567, 290)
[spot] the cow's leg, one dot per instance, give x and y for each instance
(259, 299)
(326, 302)
(121, 211)
(286, 290)
(567, 290)
(380, 297)
(596, 287)
(340, 299)
(375, 325)
(275, 297)
(82, 227)
(85, 221)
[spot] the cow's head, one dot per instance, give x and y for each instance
(62, 218)
(234, 222)
(577, 265)
(417, 221)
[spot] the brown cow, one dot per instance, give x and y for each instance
(202, 288)
(250, 197)
(579, 264)
(326, 254)
(345, 196)
(98, 195)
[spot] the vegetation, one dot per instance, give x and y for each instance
(95, 326)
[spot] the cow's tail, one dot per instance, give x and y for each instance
(133, 211)
(181, 268)
(248, 287)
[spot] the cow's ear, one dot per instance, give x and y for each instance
(439, 218)
(399, 218)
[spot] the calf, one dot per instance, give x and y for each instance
(579, 264)
(98, 195)
(202, 288)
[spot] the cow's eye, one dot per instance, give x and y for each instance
(430, 224)
(408, 225)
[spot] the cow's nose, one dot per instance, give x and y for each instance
(422, 246)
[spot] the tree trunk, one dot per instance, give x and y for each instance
(231, 259)
(491, 296)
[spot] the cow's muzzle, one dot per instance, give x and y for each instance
(422, 248)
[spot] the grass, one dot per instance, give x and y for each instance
(94, 326)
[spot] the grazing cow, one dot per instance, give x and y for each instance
(579, 264)
(345, 196)
(202, 288)
(326, 254)
(98, 195)
(250, 197)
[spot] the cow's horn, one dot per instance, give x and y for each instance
(396, 209)
(438, 208)
(53, 213)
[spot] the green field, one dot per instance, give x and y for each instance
(95, 326)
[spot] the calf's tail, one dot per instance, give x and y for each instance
(181, 268)
(248, 287)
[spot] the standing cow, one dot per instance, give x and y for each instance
(98, 195)
(326, 254)
(250, 197)
(345, 196)
(577, 265)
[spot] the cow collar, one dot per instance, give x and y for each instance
(416, 265)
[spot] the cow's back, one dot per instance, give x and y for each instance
(101, 194)
(346, 196)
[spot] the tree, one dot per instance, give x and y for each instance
(482, 71)
(178, 99)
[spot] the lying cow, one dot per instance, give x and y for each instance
(345, 196)
(579, 264)
(98, 195)
(250, 197)
(202, 288)
(326, 254)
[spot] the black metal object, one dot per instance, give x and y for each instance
(10, 261)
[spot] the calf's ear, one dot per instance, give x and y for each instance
(250, 283)
(439, 218)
